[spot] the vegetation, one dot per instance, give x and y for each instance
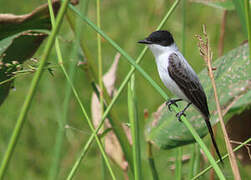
(57, 60)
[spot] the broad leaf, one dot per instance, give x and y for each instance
(38, 19)
(233, 83)
(18, 42)
(16, 50)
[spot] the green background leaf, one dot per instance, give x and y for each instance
(233, 86)
(38, 19)
(17, 48)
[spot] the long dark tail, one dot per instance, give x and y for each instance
(212, 137)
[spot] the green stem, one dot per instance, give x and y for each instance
(100, 69)
(204, 148)
(134, 122)
(114, 119)
(224, 157)
(195, 161)
(151, 161)
(178, 164)
(100, 80)
(60, 62)
(178, 161)
(62, 119)
(183, 33)
(32, 90)
(82, 155)
(126, 149)
(248, 24)
(155, 85)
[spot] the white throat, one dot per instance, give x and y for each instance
(159, 50)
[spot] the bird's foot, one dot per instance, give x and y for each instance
(182, 113)
(172, 101)
(179, 114)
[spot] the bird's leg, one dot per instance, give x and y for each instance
(172, 101)
(179, 114)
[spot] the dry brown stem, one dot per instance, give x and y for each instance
(205, 52)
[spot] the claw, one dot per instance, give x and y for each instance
(179, 114)
(172, 101)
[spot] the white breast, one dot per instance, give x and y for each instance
(161, 56)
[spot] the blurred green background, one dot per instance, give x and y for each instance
(125, 22)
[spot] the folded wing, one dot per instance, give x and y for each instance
(188, 82)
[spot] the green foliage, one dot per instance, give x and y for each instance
(34, 155)
(14, 51)
(233, 86)
(239, 6)
(18, 43)
(37, 19)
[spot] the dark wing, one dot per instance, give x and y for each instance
(188, 82)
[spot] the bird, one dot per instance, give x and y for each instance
(179, 77)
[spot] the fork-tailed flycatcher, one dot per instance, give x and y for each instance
(178, 76)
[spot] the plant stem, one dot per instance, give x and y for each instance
(100, 70)
(109, 107)
(229, 147)
(195, 161)
(224, 157)
(155, 85)
(100, 76)
(32, 90)
(60, 62)
(204, 148)
(91, 72)
(135, 131)
(183, 33)
(62, 119)
(178, 164)
(178, 160)
(151, 161)
(248, 24)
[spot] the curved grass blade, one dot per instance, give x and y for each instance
(32, 90)
(154, 84)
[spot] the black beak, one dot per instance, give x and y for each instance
(145, 41)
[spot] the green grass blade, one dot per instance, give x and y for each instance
(60, 135)
(134, 124)
(100, 80)
(194, 162)
(205, 149)
(178, 160)
(155, 85)
(32, 90)
(92, 76)
(178, 164)
(79, 159)
(223, 157)
(122, 52)
(239, 7)
(248, 19)
(60, 61)
(151, 162)
(122, 86)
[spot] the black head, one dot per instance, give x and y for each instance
(163, 38)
